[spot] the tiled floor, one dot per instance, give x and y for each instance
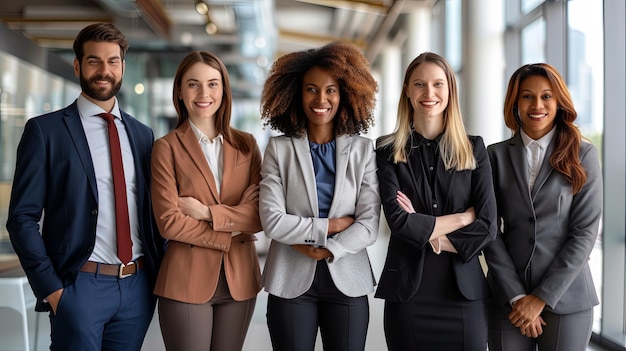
(257, 338)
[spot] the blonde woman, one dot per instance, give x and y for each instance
(437, 195)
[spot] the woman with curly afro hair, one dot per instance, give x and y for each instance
(318, 200)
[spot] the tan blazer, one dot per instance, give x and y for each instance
(196, 249)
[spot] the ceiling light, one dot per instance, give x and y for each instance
(202, 7)
(210, 28)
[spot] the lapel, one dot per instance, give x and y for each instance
(77, 134)
(519, 165)
(303, 156)
(343, 144)
(230, 161)
(191, 145)
(544, 171)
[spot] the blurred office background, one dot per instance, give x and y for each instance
(484, 40)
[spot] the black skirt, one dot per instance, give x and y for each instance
(438, 317)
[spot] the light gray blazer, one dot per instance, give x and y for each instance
(545, 235)
(289, 215)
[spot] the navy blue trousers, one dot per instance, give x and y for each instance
(100, 312)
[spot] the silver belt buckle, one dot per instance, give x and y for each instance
(120, 273)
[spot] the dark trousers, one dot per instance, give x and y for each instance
(563, 332)
(342, 320)
(101, 312)
(220, 324)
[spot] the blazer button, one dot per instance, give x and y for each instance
(435, 206)
(94, 212)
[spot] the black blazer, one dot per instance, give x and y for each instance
(54, 175)
(454, 192)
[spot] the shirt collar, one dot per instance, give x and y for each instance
(203, 138)
(419, 139)
(88, 108)
(544, 141)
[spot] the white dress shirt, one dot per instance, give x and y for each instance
(212, 150)
(96, 131)
(535, 153)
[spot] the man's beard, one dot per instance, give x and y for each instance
(100, 94)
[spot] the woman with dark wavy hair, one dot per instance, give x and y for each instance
(205, 177)
(319, 201)
(548, 187)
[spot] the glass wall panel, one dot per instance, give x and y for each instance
(533, 44)
(26, 91)
(529, 5)
(453, 35)
(585, 82)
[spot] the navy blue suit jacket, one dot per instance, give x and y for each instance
(55, 179)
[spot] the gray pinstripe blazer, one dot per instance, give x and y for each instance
(289, 214)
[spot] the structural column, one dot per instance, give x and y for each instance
(483, 82)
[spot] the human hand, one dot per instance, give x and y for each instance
(316, 253)
(195, 209)
(534, 329)
(53, 299)
(526, 310)
(336, 225)
(404, 202)
(442, 243)
(470, 216)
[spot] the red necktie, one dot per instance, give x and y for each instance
(122, 222)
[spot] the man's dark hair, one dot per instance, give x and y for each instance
(99, 32)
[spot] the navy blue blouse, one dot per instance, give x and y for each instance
(323, 157)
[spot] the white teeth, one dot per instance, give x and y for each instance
(203, 104)
(429, 103)
(320, 110)
(536, 115)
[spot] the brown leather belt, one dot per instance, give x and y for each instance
(116, 270)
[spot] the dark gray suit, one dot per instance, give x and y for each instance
(545, 235)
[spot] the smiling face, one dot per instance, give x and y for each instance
(100, 71)
(537, 106)
(427, 89)
(320, 97)
(201, 90)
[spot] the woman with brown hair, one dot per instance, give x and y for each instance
(319, 198)
(205, 178)
(548, 188)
